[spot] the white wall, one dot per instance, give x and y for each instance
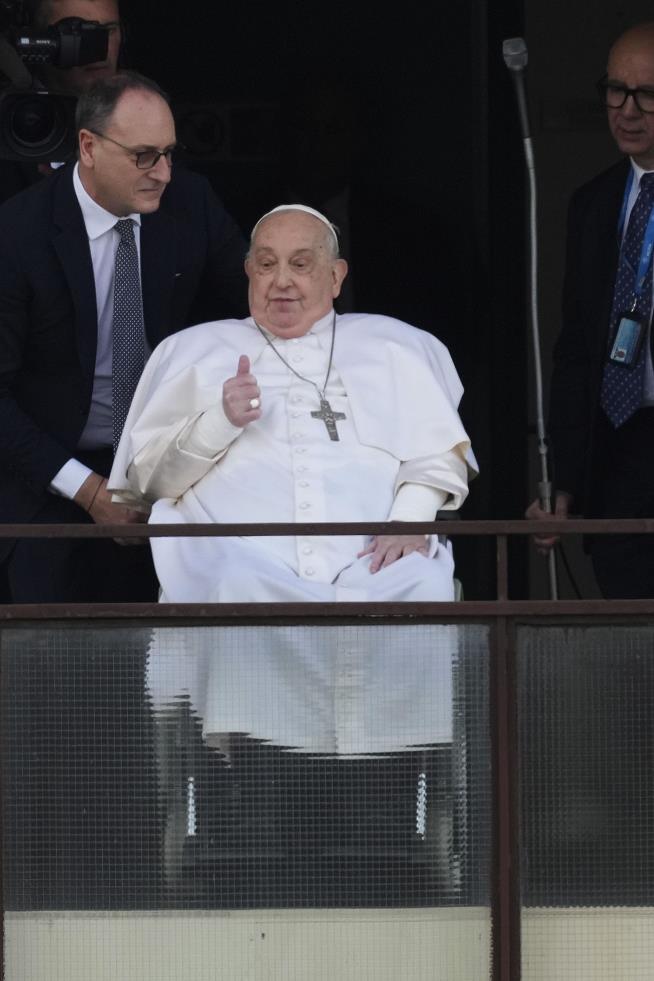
(262, 945)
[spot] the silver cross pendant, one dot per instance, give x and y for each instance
(329, 417)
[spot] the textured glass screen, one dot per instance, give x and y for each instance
(586, 727)
(244, 766)
(247, 768)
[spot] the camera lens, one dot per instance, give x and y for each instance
(34, 123)
(34, 126)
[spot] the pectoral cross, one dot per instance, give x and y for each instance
(329, 417)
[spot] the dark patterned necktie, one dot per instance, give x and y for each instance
(128, 328)
(622, 387)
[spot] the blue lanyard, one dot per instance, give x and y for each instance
(647, 246)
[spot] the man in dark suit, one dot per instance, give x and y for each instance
(57, 250)
(603, 464)
(83, 798)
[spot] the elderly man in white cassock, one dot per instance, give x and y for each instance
(297, 414)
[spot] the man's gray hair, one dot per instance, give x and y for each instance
(96, 105)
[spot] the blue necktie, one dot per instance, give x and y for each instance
(622, 387)
(128, 327)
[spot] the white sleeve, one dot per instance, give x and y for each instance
(417, 502)
(175, 459)
(446, 472)
(67, 481)
(208, 434)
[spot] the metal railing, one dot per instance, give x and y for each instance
(502, 613)
(501, 605)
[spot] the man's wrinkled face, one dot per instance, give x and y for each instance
(293, 276)
(631, 65)
(73, 81)
(141, 120)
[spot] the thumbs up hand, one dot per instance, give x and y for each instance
(241, 395)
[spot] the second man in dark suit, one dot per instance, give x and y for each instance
(602, 394)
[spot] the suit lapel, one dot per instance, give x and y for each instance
(71, 244)
(158, 267)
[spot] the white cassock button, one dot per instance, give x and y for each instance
(304, 505)
(300, 449)
(297, 435)
(303, 483)
(296, 415)
(302, 469)
(309, 571)
(307, 550)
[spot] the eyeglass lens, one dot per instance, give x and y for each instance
(615, 97)
(146, 159)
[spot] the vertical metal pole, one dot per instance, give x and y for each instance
(515, 56)
(502, 565)
(505, 899)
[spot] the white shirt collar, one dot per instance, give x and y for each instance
(638, 172)
(96, 218)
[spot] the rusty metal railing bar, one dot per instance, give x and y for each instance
(461, 611)
(452, 529)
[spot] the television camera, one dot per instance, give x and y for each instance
(37, 125)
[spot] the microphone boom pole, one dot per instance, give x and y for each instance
(514, 51)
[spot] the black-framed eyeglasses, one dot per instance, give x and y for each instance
(614, 95)
(144, 159)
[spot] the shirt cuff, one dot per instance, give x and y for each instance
(208, 434)
(69, 479)
(417, 502)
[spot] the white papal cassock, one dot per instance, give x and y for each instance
(402, 454)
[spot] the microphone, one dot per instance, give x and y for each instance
(514, 51)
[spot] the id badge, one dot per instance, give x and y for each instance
(628, 340)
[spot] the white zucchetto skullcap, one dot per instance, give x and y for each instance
(298, 207)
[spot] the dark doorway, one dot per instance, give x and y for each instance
(402, 125)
